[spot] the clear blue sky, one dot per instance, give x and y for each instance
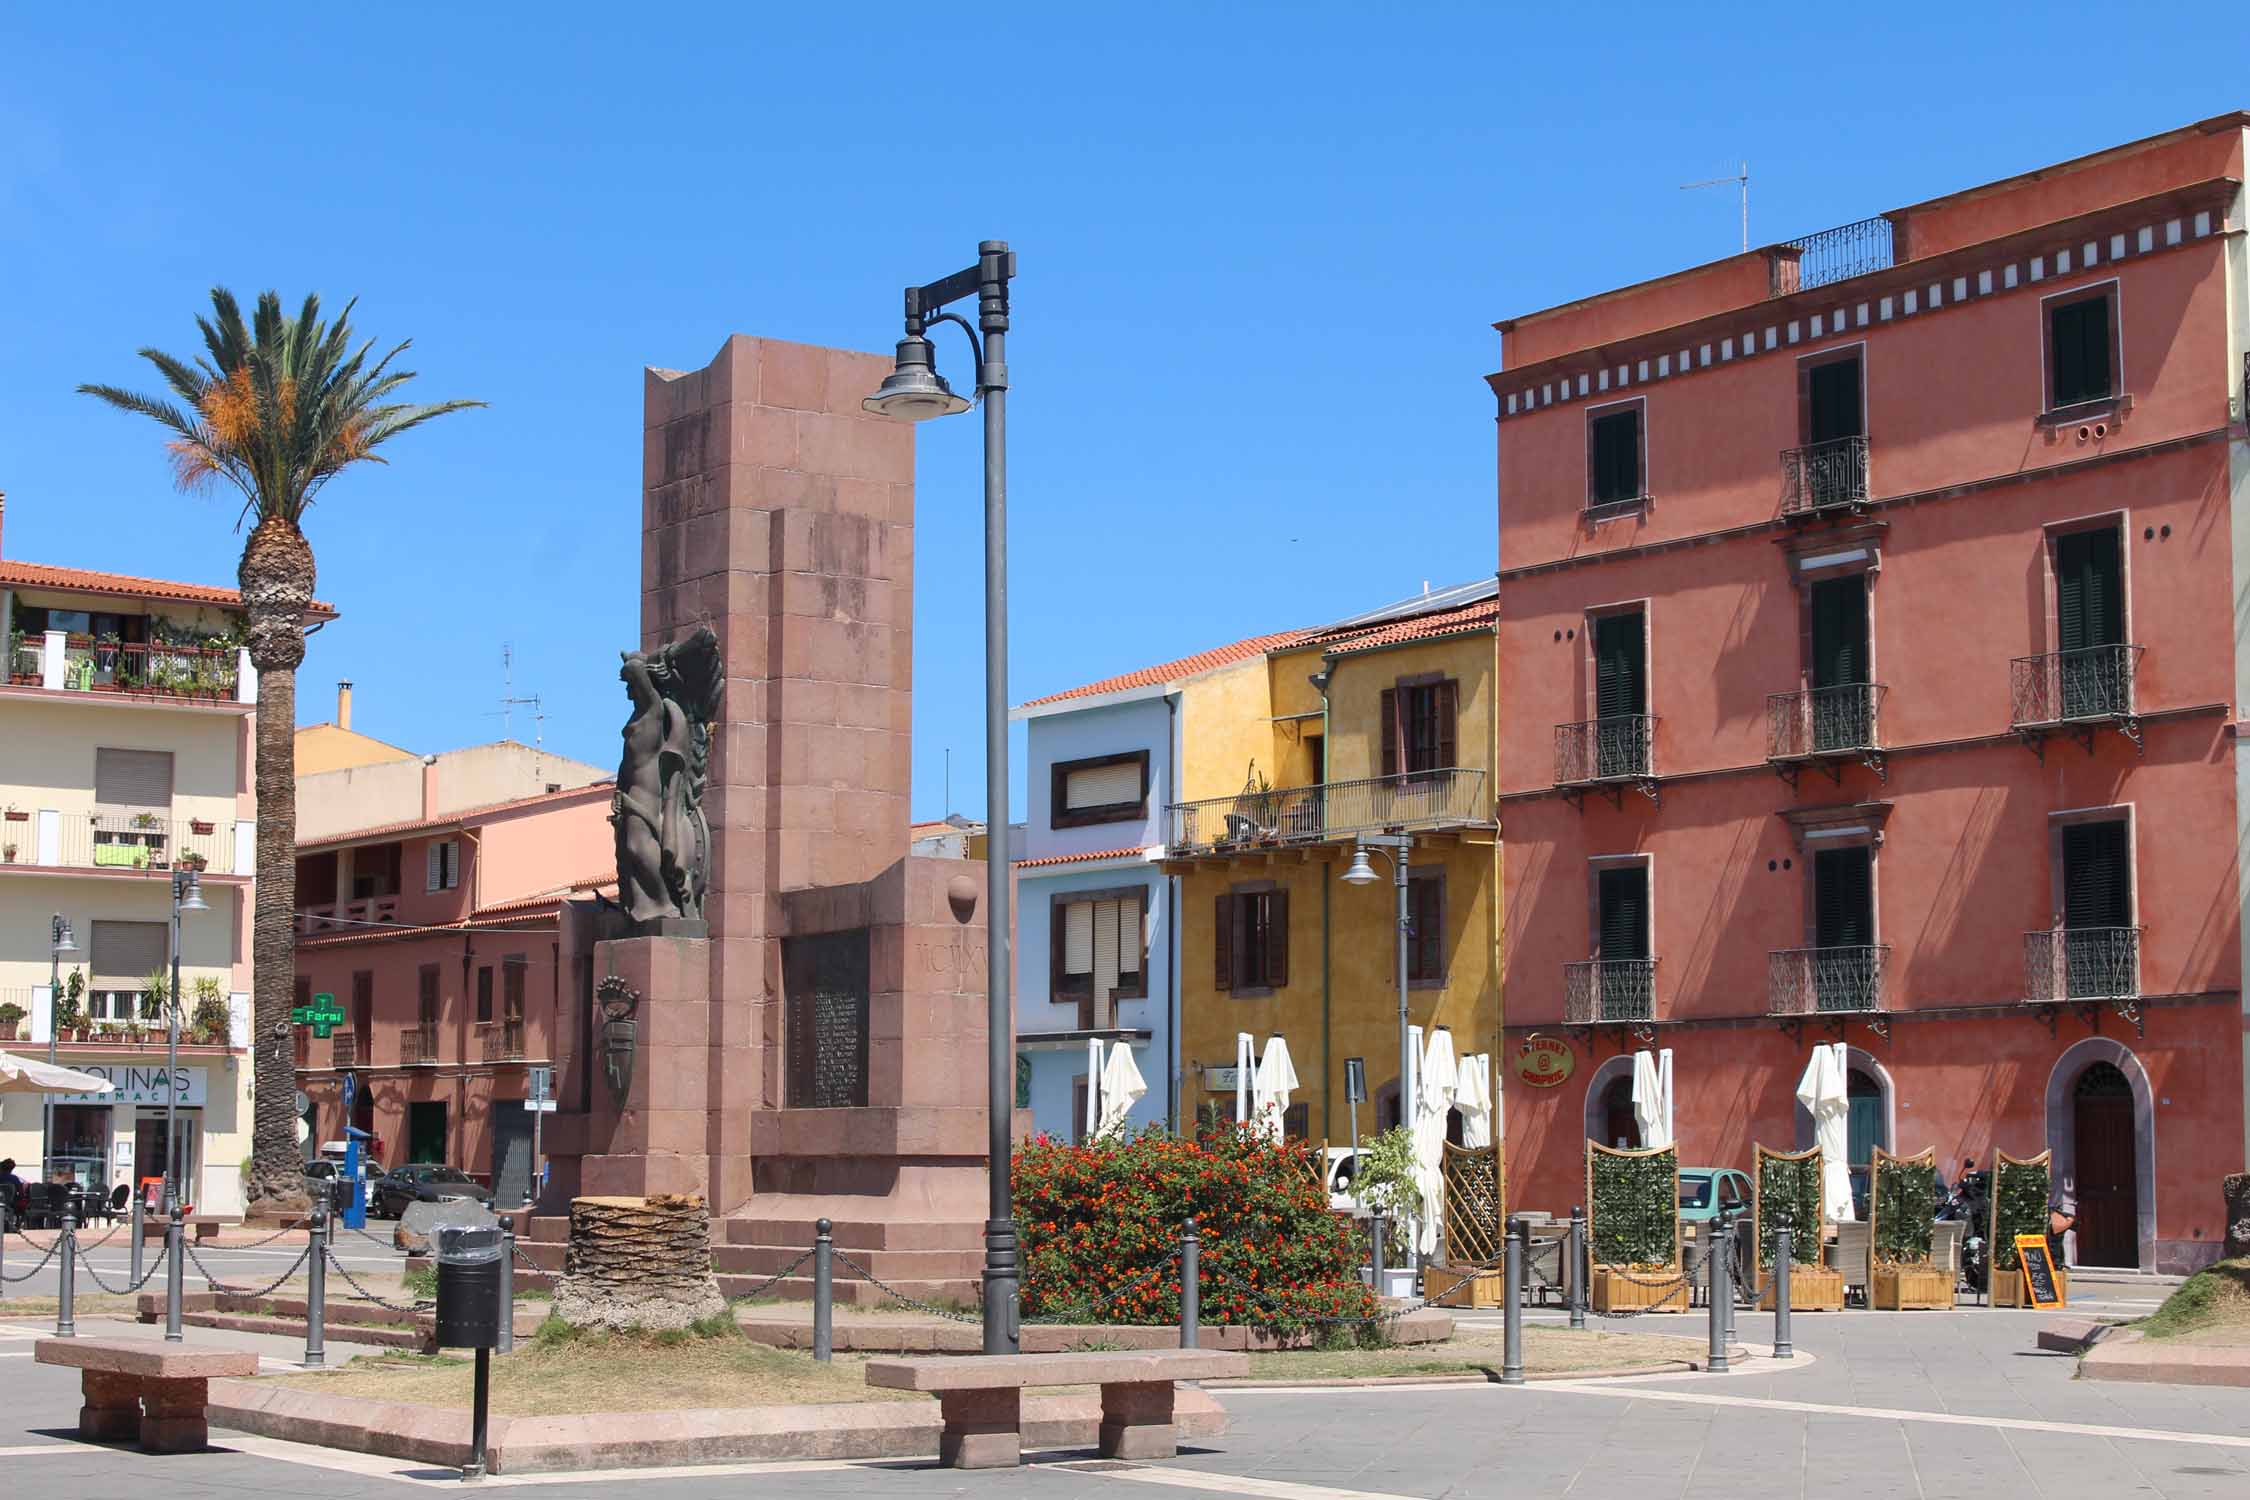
(1261, 249)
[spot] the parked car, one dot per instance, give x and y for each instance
(1706, 1190)
(423, 1182)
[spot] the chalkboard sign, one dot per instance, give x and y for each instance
(2042, 1283)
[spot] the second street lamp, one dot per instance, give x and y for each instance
(187, 895)
(1398, 848)
(915, 392)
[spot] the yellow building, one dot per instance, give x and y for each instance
(336, 746)
(1384, 726)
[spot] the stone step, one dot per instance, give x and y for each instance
(294, 1328)
(891, 1265)
(957, 1294)
(858, 1234)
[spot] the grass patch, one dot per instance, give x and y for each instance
(420, 1281)
(1546, 1351)
(2212, 1306)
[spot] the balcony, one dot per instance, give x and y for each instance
(1832, 255)
(83, 664)
(120, 843)
(504, 1043)
(347, 916)
(417, 1046)
(2070, 964)
(2074, 693)
(1603, 991)
(1821, 477)
(1421, 800)
(1824, 726)
(1826, 981)
(344, 1050)
(1607, 755)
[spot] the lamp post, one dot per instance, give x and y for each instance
(59, 942)
(187, 895)
(1398, 848)
(915, 392)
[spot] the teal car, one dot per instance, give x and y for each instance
(1704, 1191)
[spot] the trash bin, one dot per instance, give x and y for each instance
(468, 1287)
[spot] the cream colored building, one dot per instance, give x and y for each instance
(127, 721)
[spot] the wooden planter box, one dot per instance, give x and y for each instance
(1811, 1289)
(1910, 1288)
(1615, 1292)
(1484, 1289)
(2007, 1287)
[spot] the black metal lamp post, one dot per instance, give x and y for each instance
(59, 942)
(187, 895)
(915, 392)
(1398, 848)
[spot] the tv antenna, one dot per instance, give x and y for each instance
(509, 702)
(1740, 179)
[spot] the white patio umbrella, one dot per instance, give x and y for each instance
(1821, 1091)
(1276, 1081)
(1473, 1097)
(1245, 1072)
(1122, 1087)
(1435, 1082)
(1097, 1079)
(1652, 1097)
(28, 1075)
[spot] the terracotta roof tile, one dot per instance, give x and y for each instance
(1466, 620)
(452, 819)
(1186, 666)
(1073, 859)
(43, 576)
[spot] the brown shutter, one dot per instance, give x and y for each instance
(1056, 916)
(1390, 731)
(133, 778)
(1137, 987)
(125, 953)
(1222, 941)
(1277, 939)
(426, 1007)
(1448, 712)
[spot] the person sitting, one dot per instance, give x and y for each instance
(11, 1188)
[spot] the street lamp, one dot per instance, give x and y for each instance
(59, 942)
(1398, 849)
(915, 392)
(187, 895)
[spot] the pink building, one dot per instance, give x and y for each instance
(1870, 639)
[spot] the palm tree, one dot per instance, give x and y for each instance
(276, 409)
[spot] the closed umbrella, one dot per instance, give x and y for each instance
(1473, 1097)
(1821, 1091)
(1435, 1082)
(1096, 1079)
(1277, 1080)
(1245, 1071)
(1652, 1097)
(1122, 1087)
(28, 1075)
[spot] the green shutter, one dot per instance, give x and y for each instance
(1617, 456)
(2078, 336)
(1624, 913)
(2089, 589)
(1835, 401)
(1843, 899)
(1619, 659)
(1839, 629)
(2097, 888)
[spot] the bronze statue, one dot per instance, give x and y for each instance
(663, 838)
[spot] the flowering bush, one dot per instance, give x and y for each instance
(1099, 1224)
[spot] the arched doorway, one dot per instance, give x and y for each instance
(2104, 1170)
(1609, 1104)
(1864, 1131)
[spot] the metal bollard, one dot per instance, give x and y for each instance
(66, 1316)
(7, 1226)
(137, 1220)
(316, 1285)
(1577, 1253)
(1377, 1223)
(175, 1274)
(1731, 1242)
(1518, 1250)
(824, 1291)
(1722, 1294)
(507, 1340)
(1782, 1348)
(1191, 1286)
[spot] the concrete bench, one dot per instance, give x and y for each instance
(981, 1397)
(122, 1376)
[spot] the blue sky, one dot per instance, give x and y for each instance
(1261, 248)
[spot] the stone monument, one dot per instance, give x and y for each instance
(799, 1025)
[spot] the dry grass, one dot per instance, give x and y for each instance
(82, 1305)
(555, 1375)
(2211, 1307)
(1546, 1351)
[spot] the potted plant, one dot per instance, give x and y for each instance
(8, 853)
(1902, 1215)
(210, 1023)
(16, 814)
(194, 861)
(70, 1013)
(1387, 1184)
(144, 820)
(201, 825)
(11, 1021)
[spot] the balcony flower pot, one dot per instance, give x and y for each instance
(8, 853)
(15, 815)
(194, 862)
(201, 826)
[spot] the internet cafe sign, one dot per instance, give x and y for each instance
(142, 1085)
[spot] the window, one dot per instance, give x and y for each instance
(1097, 945)
(513, 972)
(1613, 456)
(1425, 913)
(443, 857)
(1843, 898)
(1831, 408)
(1842, 714)
(375, 871)
(426, 998)
(1104, 789)
(1419, 726)
(133, 778)
(2095, 678)
(1251, 932)
(484, 995)
(123, 955)
(2097, 875)
(1621, 742)
(2081, 349)
(1622, 894)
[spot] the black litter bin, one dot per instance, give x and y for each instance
(468, 1288)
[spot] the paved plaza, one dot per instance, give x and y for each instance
(1914, 1404)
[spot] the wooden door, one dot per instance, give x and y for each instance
(2107, 1175)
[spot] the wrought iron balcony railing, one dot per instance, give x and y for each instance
(1609, 989)
(1826, 981)
(2082, 963)
(344, 1050)
(1822, 476)
(2073, 687)
(417, 1046)
(1832, 255)
(141, 667)
(1618, 748)
(1824, 721)
(504, 1043)
(1452, 797)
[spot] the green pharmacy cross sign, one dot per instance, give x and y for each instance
(323, 1015)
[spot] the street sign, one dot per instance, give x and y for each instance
(303, 1101)
(540, 1106)
(351, 1091)
(323, 1015)
(542, 1084)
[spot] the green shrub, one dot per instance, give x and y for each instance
(1633, 1206)
(1789, 1193)
(2019, 1206)
(1905, 1200)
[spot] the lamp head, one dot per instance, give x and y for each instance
(1360, 872)
(63, 940)
(191, 894)
(914, 391)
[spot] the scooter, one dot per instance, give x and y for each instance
(1970, 1203)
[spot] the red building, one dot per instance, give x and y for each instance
(1870, 648)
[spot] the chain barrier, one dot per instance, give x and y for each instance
(373, 1238)
(217, 1285)
(261, 1244)
(35, 1270)
(86, 1245)
(96, 1277)
(49, 1247)
(364, 1294)
(1679, 1286)
(915, 1303)
(531, 1265)
(779, 1276)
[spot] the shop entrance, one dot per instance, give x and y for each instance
(150, 1152)
(425, 1130)
(78, 1149)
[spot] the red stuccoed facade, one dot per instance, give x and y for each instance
(1870, 651)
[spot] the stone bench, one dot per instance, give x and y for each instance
(121, 1377)
(981, 1397)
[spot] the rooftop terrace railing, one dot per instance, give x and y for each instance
(1832, 255)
